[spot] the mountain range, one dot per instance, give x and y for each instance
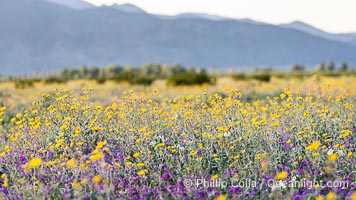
(297, 25)
(47, 35)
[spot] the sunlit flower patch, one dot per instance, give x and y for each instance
(298, 144)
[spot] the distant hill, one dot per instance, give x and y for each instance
(297, 25)
(130, 8)
(199, 15)
(74, 4)
(38, 35)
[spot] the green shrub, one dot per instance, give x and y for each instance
(54, 79)
(100, 80)
(239, 76)
(261, 77)
(190, 78)
(280, 75)
(22, 84)
(299, 75)
(331, 74)
(141, 81)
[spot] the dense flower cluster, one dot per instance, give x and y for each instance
(142, 145)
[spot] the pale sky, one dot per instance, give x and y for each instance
(338, 16)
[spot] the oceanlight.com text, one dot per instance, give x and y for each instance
(271, 183)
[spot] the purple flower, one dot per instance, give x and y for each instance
(101, 187)
(165, 176)
(199, 152)
(300, 172)
(297, 197)
(22, 160)
(217, 193)
(4, 190)
(165, 168)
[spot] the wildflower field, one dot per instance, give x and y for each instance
(234, 140)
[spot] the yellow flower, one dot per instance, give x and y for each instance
(34, 163)
(330, 196)
(36, 126)
(193, 153)
(76, 184)
(313, 146)
(282, 175)
(315, 154)
(221, 197)
(140, 164)
(97, 156)
(136, 155)
(349, 154)
(6, 183)
(63, 127)
(71, 163)
(332, 157)
(353, 196)
(160, 145)
(99, 145)
(95, 151)
(82, 165)
(96, 179)
(84, 181)
(214, 177)
(142, 172)
(50, 163)
(319, 198)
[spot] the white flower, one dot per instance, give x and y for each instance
(227, 134)
(331, 151)
(340, 152)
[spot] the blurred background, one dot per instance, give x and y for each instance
(43, 37)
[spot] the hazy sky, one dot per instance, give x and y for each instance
(338, 16)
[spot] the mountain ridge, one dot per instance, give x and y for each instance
(127, 7)
(301, 26)
(73, 4)
(49, 37)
